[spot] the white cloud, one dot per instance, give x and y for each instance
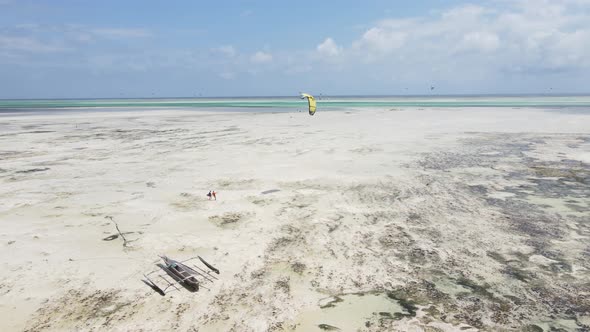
(463, 12)
(261, 57)
(38, 38)
(525, 33)
(295, 70)
(328, 48)
(27, 26)
(120, 62)
(226, 75)
(379, 41)
(226, 50)
(26, 44)
(480, 40)
(121, 33)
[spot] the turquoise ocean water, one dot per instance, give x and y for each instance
(295, 103)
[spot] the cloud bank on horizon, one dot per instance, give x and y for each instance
(521, 46)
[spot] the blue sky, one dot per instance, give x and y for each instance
(88, 49)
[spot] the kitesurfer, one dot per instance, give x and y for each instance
(310, 101)
(209, 194)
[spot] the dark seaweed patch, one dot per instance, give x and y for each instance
(298, 268)
(331, 303)
(514, 299)
(481, 290)
(33, 170)
(532, 328)
(40, 132)
(227, 218)
(111, 238)
(266, 192)
(529, 219)
(479, 189)
(518, 273)
(386, 315)
(577, 208)
(497, 257)
(561, 267)
(409, 306)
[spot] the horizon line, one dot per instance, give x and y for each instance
(566, 94)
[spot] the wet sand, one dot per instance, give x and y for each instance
(370, 220)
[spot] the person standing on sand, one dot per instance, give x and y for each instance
(209, 194)
(214, 194)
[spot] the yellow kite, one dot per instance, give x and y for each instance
(310, 101)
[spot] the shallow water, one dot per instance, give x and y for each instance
(351, 312)
(293, 103)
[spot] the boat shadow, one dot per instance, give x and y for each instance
(154, 287)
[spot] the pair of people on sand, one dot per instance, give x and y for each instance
(212, 194)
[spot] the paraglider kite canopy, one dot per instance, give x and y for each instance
(310, 101)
